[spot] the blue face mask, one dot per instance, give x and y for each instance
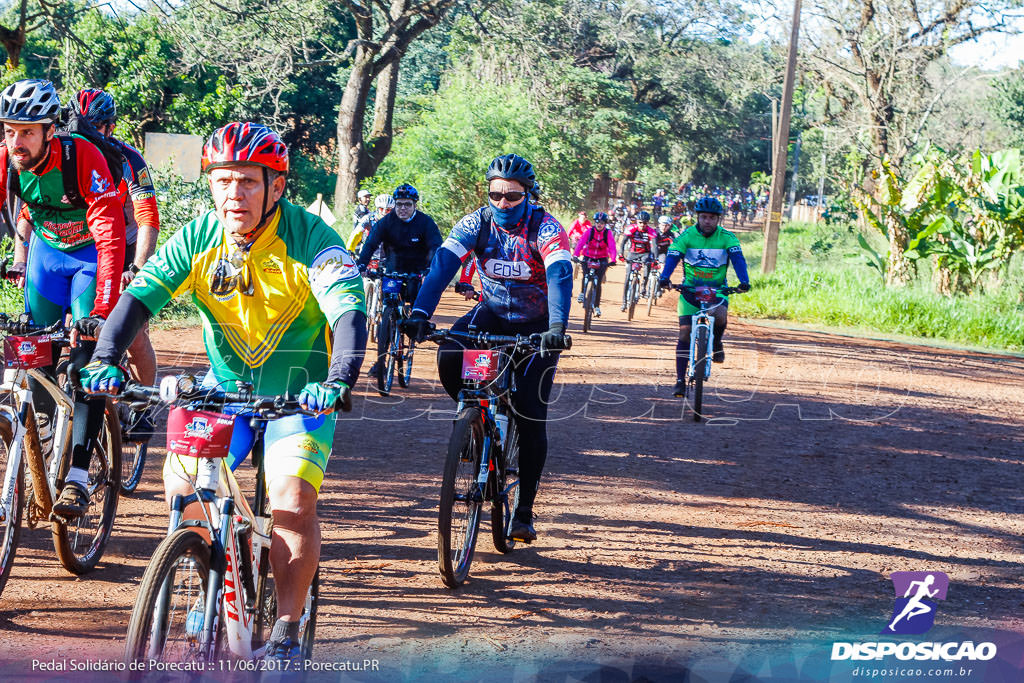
(508, 218)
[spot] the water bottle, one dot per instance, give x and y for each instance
(502, 421)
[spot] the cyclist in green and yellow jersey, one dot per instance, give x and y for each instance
(283, 308)
(706, 250)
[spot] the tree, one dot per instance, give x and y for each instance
(383, 34)
(1007, 104)
(872, 57)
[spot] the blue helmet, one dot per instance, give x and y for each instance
(406, 191)
(709, 205)
(600, 217)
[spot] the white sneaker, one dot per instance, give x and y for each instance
(579, 298)
(597, 311)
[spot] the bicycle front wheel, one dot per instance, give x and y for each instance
(167, 619)
(699, 370)
(10, 527)
(386, 351)
(405, 373)
(588, 303)
(504, 505)
(80, 542)
(652, 291)
(458, 519)
(634, 294)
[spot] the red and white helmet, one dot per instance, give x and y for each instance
(245, 143)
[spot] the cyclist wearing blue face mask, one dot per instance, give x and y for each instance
(522, 256)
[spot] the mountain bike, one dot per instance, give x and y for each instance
(634, 283)
(394, 350)
(174, 619)
(702, 339)
(482, 465)
(79, 542)
(591, 267)
(653, 285)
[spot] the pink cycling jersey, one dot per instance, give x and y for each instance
(596, 245)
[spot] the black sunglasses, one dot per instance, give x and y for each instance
(510, 196)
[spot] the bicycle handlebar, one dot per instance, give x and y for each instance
(173, 390)
(57, 331)
(718, 290)
(489, 340)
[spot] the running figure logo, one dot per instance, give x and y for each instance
(916, 593)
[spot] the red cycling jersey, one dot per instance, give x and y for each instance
(104, 216)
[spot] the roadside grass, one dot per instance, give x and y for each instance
(822, 278)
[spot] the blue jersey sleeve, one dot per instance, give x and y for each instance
(446, 262)
(739, 264)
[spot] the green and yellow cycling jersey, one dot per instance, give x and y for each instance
(272, 327)
(705, 259)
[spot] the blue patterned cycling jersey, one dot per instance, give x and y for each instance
(513, 274)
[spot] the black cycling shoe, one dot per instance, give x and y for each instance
(73, 501)
(718, 354)
(680, 388)
(522, 531)
(374, 370)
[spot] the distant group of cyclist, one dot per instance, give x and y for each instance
(282, 296)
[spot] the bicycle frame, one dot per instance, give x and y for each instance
(44, 480)
(702, 319)
(234, 571)
(489, 397)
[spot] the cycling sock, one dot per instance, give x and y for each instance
(284, 630)
(77, 475)
(682, 358)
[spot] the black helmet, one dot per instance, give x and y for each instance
(406, 191)
(709, 205)
(512, 167)
(600, 217)
(644, 217)
(29, 101)
(95, 105)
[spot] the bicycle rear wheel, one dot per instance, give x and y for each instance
(458, 519)
(405, 348)
(652, 292)
(503, 507)
(167, 618)
(80, 542)
(10, 527)
(699, 369)
(267, 605)
(133, 453)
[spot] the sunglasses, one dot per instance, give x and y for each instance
(509, 196)
(229, 273)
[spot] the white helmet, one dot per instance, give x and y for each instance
(664, 220)
(29, 101)
(362, 193)
(384, 201)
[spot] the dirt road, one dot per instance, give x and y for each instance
(750, 543)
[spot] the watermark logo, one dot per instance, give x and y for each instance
(200, 428)
(916, 596)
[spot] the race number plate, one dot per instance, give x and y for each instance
(198, 433)
(481, 366)
(27, 352)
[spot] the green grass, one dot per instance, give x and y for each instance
(822, 279)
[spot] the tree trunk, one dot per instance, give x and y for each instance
(942, 278)
(382, 135)
(350, 130)
(897, 272)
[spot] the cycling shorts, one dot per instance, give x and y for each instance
(56, 281)
(295, 446)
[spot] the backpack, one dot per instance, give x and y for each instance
(484, 236)
(72, 124)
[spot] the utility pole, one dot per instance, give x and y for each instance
(774, 218)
